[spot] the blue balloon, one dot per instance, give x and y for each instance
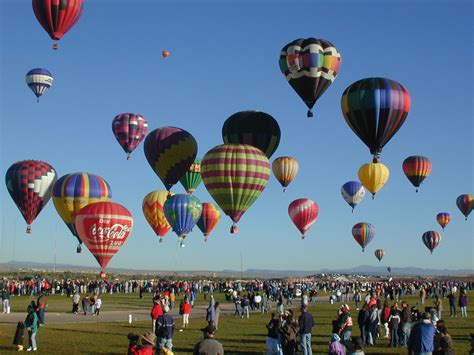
(353, 193)
(39, 81)
(182, 212)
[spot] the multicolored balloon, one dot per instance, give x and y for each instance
(129, 130)
(39, 81)
(443, 219)
(363, 233)
(431, 240)
(182, 212)
(303, 212)
(75, 191)
(465, 204)
(210, 217)
(285, 170)
(254, 128)
(379, 254)
(353, 193)
(416, 168)
(170, 151)
(57, 17)
(310, 66)
(373, 176)
(235, 175)
(104, 227)
(152, 207)
(375, 109)
(192, 178)
(29, 183)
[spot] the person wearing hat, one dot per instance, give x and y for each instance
(164, 329)
(209, 345)
(344, 324)
(335, 346)
(422, 335)
(306, 323)
(147, 341)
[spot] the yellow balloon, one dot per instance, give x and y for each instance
(373, 176)
(153, 211)
(285, 170)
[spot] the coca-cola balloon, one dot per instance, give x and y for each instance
(104, 227)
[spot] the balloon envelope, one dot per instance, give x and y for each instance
(379, 254)
(192, 178)
(170, 151)
(104, 227)
(285, 170)
(416, 168)
(373, 176)
(39, 81)
(443, 219)
(375, 109)
(182, 212)
(303, 212)
(310, 66)
(152, 207)
(129, 129)
(29, 183)
(57, 17)
(209, 219)
(75, 191)
(235, 175)
(431, 240)
(363, 233)
(254, 128)
(353, 193)
(465, 204)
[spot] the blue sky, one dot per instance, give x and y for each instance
(224, 59)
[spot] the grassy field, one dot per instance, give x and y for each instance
(239, 336)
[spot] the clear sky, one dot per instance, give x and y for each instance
(224, 59)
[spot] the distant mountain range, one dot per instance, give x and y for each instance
(358, 270)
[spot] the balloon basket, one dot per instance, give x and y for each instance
(161, 240)
(102, 275)
(284, 190)
(128, 156)
(28, 230)
(78, 249)
(55, 46)
(309, 114)
(234, 229)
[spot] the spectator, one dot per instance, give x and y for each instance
(165, 327)
(335, 346)
(421, 338)
(208, 346)
(306, 323)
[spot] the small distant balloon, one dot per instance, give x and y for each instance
(303, 212)
(363, 233)
(431, 240)
(465, 204)
(353, 193)
(165, 54)
(417, 168)
(285, 170)
(379, 254)
(39, 80)
(389, 269)
(373, 176)
(443, 219)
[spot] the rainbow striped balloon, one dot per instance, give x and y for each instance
(416, 168)
(235, 175)
(363, 233)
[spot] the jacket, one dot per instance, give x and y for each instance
(422, 337)
(156, 311)
(165, 326)
(306, 323)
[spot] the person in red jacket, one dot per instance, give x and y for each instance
(147, 346)
(156, 312)
(185, 310)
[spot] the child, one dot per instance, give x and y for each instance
(18, 339)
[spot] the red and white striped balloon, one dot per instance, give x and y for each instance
(104, 227)
(303, 212)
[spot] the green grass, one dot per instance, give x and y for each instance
(239, 336)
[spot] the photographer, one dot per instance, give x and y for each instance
(141, 344)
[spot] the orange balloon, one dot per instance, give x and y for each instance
(165, 54)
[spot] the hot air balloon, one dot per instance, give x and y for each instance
(310, 66)
(379, 254)
(353, 193)
(129, 130)
(104, 227)
(154, 214)
(431, 240)
(389, 269)
(373, 176)
(303, 212)
(170, 151)
(235, 175)
(285, 170)
(254, 128)
(465, 204)
(210, 217)
(74, 191)
(57, 17)
(416, 169)
(192, 178)
(39, 81)
(165, 54)
(363, 233)
(443, 219)
(375, 109)
(182, 212)
(29, 183)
